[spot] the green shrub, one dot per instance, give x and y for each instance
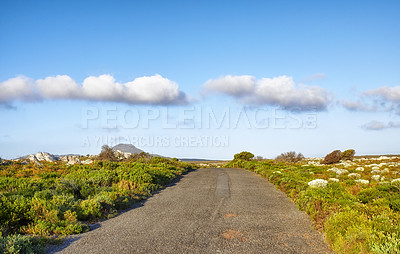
(348, 154)
(349, 232)
(20, 244)
(246, 156)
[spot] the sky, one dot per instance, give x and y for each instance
(200, 79)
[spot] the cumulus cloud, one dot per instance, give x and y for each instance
(280, 91)
(377, 126)
(236, 86)
(18, 88)
(155, 90)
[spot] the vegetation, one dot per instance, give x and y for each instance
(333, 157)
(290, 157)
(348, 154)
(107, 153)
(53, 199)
(246, 156)
(358, 212)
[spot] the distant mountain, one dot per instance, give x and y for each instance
(127, 148)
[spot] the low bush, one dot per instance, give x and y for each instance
(20, 244)
(290, 157)
(333, 157)
(348, 154)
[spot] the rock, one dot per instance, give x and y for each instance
(88, 161)
(360, 169)
(43, 156)
(127, 148)
(121, 155)
(333, 157)
(71, 159)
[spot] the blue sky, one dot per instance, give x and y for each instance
(309, 76)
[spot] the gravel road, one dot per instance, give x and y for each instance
(208, 211)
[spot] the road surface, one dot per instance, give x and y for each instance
(208, 211)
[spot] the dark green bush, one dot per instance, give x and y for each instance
(20, 244)
(246, 156)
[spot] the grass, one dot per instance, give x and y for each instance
(356, 216)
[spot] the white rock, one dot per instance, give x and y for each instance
(121, 155)
(361, 169)
(318, 183)
(88, 161)
(43, 156)
(71, 159)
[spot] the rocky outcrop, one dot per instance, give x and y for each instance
(121, 155)
(127, 148)
(43, 156)
(88, 161)
(71, 159)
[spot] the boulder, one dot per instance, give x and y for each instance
(88, 161)
(333, 157)
(43, 156)
(121, 155)
(71, 159)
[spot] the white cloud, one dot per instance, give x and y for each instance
(144, 90)
(383, 99)
(58, 87)
(279, 91)
(391, 94)
(376, 125)
(154, 89)
(358, 106)
(102, 88)
(18, 88)
(236, 86)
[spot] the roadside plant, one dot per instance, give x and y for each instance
(246, 156)
(291, 157)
